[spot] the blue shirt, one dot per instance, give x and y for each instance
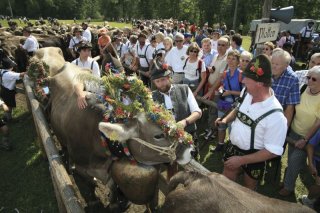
(315, 141)
(286, 88)
(199, 39)
(235, 84)
(207, 58)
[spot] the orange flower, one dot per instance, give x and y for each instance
(260, 72)
(126, 86)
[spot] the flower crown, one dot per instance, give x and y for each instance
(256, 69)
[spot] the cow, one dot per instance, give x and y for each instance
(195, 192)
(80, 132)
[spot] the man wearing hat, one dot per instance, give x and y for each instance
(31, 44)
(305, 37)
(144, 54)
(85, 61)
(259, 126)
(8, 85)
(75, 40)
(86, 32)
(176, 97)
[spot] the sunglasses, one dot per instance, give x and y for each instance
(312, 78)
(223, 45)
(178, 40)
(193, 51)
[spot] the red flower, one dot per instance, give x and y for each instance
(260, 72)
(107, 67)
(165, 66)
(119, 111)
(252, 68)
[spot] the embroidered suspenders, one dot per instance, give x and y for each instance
(245, 119)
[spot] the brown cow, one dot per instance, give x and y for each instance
(78, 131)
(195, 192)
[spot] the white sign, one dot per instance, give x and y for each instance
(267, 32)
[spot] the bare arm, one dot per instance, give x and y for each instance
(288, 113)
(79, 90)
(229, 118)
(192, 118)
(202, 82)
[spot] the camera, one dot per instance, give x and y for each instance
(221, 91)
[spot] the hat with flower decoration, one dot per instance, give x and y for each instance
(259, 69)
(159, 69)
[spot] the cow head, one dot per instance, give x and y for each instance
(146, 141)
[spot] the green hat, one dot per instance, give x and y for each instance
(159, 69)
(259, 69)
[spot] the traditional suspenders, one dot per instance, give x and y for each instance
(245, 119)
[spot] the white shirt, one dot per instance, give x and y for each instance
(87, 34)
(31, 44)
(306, 32)
(270, 132)
(144, 55)
(121, 49)
(190, 71)
(9, 79)
(87, 64)
(193, 105)
(214, 45)
(176, 58)
(75, 40)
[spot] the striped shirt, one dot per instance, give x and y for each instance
(286, 88)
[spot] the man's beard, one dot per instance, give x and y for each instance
(165, 89)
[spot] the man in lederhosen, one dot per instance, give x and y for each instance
(259, 126)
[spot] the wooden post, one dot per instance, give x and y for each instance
(61, 180)
(267, 5)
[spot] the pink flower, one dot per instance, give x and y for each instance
(252, 68)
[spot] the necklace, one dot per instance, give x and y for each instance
(314, 93)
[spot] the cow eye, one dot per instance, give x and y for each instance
(160, 136)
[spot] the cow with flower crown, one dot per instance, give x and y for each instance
(119, 136)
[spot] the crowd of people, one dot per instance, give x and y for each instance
(260, 99)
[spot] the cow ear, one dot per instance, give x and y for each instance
(117, 132)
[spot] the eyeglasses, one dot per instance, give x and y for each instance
(193, 51)
(245, 60)
(223, 45)
(178, 40)
(312, 78)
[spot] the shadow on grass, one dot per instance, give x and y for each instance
(25, 182)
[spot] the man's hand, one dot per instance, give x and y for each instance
(312, 170)
(220, 121)
(233, 162)
(208, 95)
(300, 144)
(183, 123)
(82, 103)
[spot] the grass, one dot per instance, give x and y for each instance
(25, 182)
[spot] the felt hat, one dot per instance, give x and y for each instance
(84, 45)
(159, 69)
(259, 69)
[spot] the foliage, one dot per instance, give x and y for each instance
(199, 11)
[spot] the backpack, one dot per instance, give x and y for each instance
(198, 70)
